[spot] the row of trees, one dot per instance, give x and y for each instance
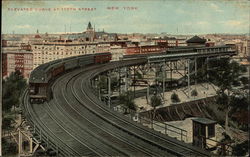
(13, 87)
(227, 75)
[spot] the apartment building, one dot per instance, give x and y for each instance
(48, 51)
(21, 60)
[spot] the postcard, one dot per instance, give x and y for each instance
(125, 78)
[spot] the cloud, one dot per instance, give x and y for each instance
(233, 23)
(202, 23)
(215, 7)
(23, 26)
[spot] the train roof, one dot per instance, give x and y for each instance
(38, 75)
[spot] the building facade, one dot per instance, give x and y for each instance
(21, 60)
(49, 51)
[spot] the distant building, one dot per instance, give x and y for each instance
(196, 41)
(49, 51)
(90, 35)
(168, 42)
(21, 60)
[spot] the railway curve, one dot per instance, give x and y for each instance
(76, 123)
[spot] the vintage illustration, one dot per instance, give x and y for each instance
(125, 78)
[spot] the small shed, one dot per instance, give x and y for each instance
(203, 128)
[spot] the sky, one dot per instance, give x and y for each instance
(150, 16)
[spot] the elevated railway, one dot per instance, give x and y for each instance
(76, 123)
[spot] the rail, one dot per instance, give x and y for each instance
(39, 132)
(164, 128)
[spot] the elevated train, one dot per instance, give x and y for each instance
(187, 50)
(42, 76)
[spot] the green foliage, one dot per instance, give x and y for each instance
(241, 149)
(138, 75)
(8, 123)
(222, 99)
(155, 101)
(8, 148)
(127, 100)
(238, 102)
(175, 98)
(194, 92)
(114, 83)
(201, 74)
(103, 83)
(226, 75)
(244, 80)
(13, 86)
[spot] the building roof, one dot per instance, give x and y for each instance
(205, 121)
(37, 36)
(196, 39)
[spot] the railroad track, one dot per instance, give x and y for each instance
(39, 120)
(81, 125)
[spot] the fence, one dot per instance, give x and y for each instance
(167, 129)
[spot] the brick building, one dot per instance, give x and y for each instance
(21, 60)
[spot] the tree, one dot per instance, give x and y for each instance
(102, 84)
(114, 83)
(154, 102)
(175, 98)
(13, 87)
(241, 149)
(244, 80)
(138, 75)
(127, 101)
(194, 92)
(226, 76)
(8, 123)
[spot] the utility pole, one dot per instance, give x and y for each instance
(109, 90)
(188, 65)
(163, 82)
(195, 68)
(126, 79)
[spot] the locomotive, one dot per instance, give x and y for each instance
(42, 76)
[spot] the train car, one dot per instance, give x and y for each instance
(42, 77)
(39, 92)
(187, 49)
(38, 85)
(71, 64)
(86, 60)
(102, 57)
